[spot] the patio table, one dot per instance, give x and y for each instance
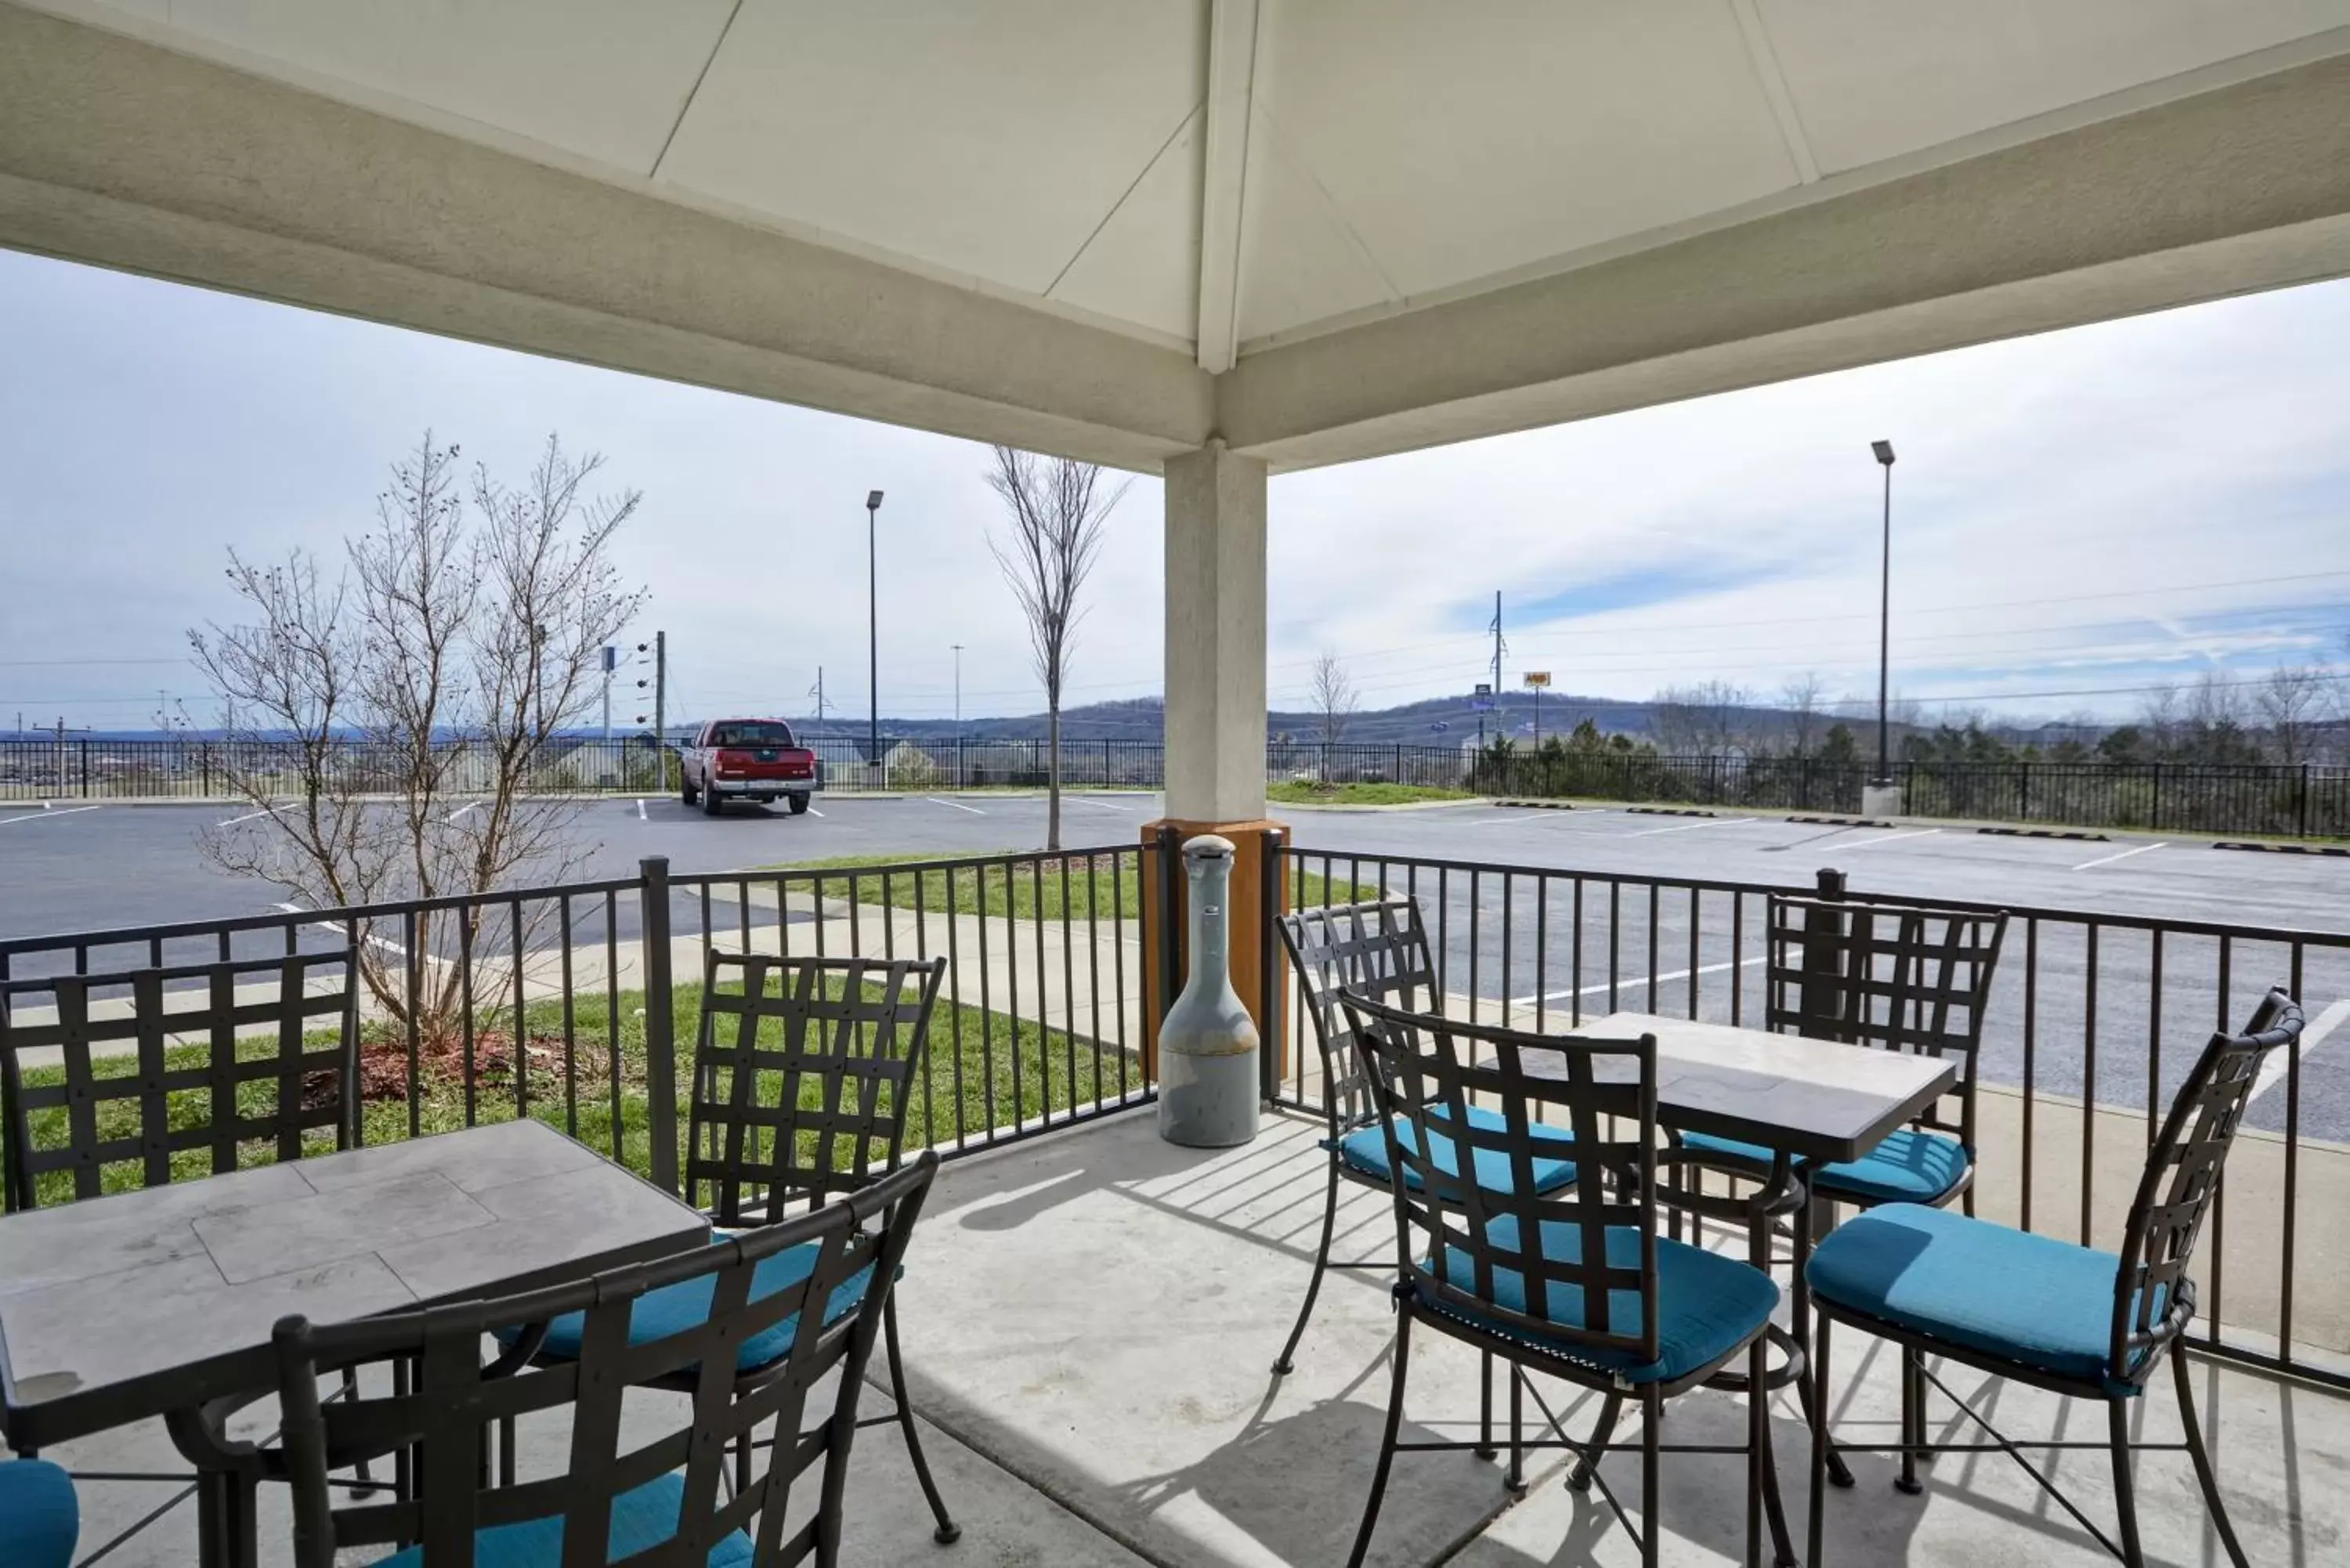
(149, 1304)
(1818, 1101)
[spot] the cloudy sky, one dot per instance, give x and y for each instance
(2076, 516)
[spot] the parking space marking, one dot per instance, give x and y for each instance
(463, 809)
(1624, 982)
(255, 815)
(814, 811)
(43, 814)
(1096, 805)
(941, 800)
(1690, 827)
(1890, 839)
(2107, 860)
(641, 809)
(2272, 1071)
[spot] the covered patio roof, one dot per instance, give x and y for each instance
(1318, 231)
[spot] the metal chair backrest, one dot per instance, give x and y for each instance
(1424, 1071)
(1378, 948)
(454, 1400)
(1899, 977)
(262, 1078)
(2153, 1297)
(802, 1075)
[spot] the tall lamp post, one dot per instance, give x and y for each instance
(1884, 451)
(958, 653)
(872, 634)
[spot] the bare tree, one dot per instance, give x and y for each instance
(2291, 705)
(1057, 508)
(1334, 698)
(1800, 696)
(1708, 719)
(392, 720)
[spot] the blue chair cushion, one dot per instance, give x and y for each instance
(1908, 1167)
(675, 1308)
(1366, 1150)
(1707, 1305)
(641, 1519)
(40, 1518)
(2008, 1294)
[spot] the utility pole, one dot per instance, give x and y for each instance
(958, 653)
(819, 696)
(660, 687)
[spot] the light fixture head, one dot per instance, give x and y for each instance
(873, 498)
(1883, 448)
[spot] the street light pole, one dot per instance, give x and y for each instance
(958, 653)
(1884, 451)
(872, 635)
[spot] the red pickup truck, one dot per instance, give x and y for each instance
(747, 759)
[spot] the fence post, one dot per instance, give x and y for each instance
(1273, 1036)
(1821, 999)
(84, 747)
(2024, 791)
(661, 1023)
(2301, 810)
(2155, 825)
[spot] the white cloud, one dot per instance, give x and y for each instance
(2070, 510)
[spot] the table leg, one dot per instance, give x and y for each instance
(226, 1522)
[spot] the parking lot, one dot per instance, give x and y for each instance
(2098, 1019)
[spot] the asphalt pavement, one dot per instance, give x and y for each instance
(2095, 1028)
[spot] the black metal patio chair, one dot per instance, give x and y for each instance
(2071, 1319)
(1378, 948)
(1897, 978)
(653, 1498)
(119, 1114)
(1574, 1281)
(803, 1074)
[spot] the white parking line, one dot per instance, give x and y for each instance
(1096, 805)
(641, 809)
(814, 811)
(252, 815)
(2141, 849)
(372, 940)
(1689, 826)
(2272, 1071)
(941, 800)
(463, 809)
(1891, 838)
(45, 814)
(1624, 982)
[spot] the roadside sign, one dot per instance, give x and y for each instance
(1484, 688)
(1537, 678)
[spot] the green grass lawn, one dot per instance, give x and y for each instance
(1301, 791)
(982, 1070)
(1071, 888)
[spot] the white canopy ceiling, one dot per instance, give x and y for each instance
(1227, 179)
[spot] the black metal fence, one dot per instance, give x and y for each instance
(2303, 801)
(2095, 1021)
(580, 1004)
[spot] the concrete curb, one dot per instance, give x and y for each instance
(2334, 850)
(2047, 832)
(1840, 821)
(1668, 811)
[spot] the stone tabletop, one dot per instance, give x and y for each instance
(1819, 1099)
(120, 1308)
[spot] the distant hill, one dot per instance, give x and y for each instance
(1144, 719)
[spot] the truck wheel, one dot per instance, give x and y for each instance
(712, 802)
(686, 792)
(799, 804)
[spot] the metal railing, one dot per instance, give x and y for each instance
(2094, 1021)
(580, 1004)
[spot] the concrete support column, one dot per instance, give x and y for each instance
(1215, 717)
(1215, 635)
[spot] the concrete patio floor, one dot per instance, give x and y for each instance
(1089, 1322)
